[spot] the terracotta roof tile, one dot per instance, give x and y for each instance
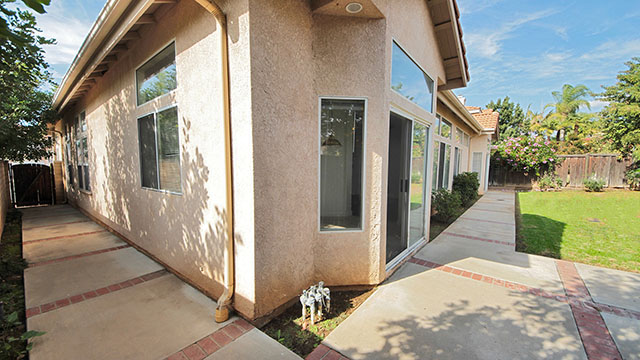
(488, 118)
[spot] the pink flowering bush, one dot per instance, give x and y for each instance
(526, 154)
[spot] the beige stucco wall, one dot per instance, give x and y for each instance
(296, 60)
(282, 59)
(186, 230)
(481, 144)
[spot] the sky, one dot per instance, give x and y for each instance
(524, 49)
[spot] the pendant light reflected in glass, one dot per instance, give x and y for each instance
(331, 140)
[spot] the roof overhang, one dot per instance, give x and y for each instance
(453, 103)
(445, 16)
(117, 24)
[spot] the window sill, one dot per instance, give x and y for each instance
(86, 192)
(162, 191)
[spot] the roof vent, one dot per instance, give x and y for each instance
(353, 7)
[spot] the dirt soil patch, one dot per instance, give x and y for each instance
(300, 336)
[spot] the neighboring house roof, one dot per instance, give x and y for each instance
(119, 21)
(488, 118)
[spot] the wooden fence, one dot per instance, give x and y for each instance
(572, 169)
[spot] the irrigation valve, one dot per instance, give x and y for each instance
(316, 298)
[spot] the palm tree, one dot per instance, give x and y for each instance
(563, 115)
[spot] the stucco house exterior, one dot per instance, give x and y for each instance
(257, 147)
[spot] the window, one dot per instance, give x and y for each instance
(68, 153)
(436, 160)
(441, 165)
(408, 79)
(160, 150)
(466, 140)
(82, 151)
(157, 76)
(341, 163)
(437, 124)
(445, 129)
(476, 164)
(456, 161)
(459, 135)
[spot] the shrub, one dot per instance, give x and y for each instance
(633, 179)
(466, 185)
(593, 185)
(526, 154)
(549, 181)
(446, 204)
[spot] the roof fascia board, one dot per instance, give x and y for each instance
(118, 20)
(451, 100)
(456, 39)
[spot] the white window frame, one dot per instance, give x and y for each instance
(364, 164)
(80, 133)
(155, 125)
(142, 63)
(434, 93)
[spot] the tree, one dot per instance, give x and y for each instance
(621, 118)
(564, 111)
(512, 118)
(5, 29)
(25, 107)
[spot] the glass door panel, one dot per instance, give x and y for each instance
(417, 191)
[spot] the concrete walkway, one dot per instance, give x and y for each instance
(469, 295)
(98, 298)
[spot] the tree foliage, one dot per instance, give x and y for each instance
(622, 116)
(512, 118)
(564, 116)
(526, 154)
(6, 31)
(25, 107)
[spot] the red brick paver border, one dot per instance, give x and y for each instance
(72, 257)
(73, 299)
(491, 210)
(478, 238)
(565, 298)
(487, 221)
(57, 224)
(29, 242)
(325, 353)
(212, 342)
(597, 341)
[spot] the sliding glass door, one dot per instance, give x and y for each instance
(406, 185)
(417, 211)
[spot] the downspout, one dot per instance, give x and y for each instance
(226, 299)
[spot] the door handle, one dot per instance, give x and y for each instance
(406, 185)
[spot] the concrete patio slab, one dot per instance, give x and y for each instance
(244, 348)
(151, 320)
(52, 282)
(612, 287)
(626, 334)
(46, 211)
(52, 231)
(423, 314)
(32, 222)
(494, 260)
(54, 249)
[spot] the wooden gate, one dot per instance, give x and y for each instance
(31, 184)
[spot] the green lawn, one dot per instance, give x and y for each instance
(593, 228)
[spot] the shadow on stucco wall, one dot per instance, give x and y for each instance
(182, 230)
